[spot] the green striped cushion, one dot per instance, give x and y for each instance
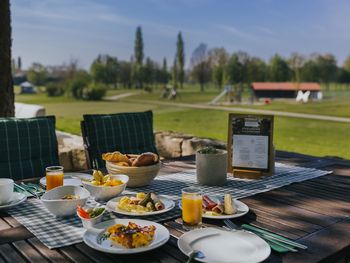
(125, 132)
(27, 147)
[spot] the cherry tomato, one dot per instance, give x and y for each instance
(82, 212)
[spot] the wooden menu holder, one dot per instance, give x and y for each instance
(250, 173)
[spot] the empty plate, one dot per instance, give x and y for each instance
(222, 246)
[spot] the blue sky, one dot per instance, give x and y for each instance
(53, 31)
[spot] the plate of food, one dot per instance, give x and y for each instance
(126, 236)
(71, 179)
(222, 207)
(140, 204)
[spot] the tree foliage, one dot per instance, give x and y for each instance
(180, 60)
(105, 69)
(138, 70)
(37, 74)
(218, 58)
(279, 69)
(200, 63)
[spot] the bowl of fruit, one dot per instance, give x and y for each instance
(105, 187)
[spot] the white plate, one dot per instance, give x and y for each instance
(112, 206)
(222, 246)
(242, 209)
(17, 198)
(70, 179)
(91, 237)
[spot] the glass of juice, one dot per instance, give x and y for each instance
(191, 207)
(54, 177)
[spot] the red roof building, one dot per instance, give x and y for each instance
(284, 89)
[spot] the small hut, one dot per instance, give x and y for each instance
(27, 88)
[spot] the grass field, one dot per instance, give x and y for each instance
(319, 138)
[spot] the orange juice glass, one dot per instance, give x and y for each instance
(54, 177)
(192, 207)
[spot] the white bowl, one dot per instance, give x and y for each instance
(90, 223)
(53, 201)
(138, 176)
(107, 192)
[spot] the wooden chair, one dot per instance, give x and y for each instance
(130, 132)
(27, 147)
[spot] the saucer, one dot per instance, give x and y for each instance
(17, 198)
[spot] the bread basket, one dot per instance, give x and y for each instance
(138, 176)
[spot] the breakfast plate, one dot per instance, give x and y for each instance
(112, 205)
(17, 198)
(223, 246)
(95, 238)
(241, 207)
(70, 179)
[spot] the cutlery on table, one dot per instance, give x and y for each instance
(27, 188)
(282, 242)
(273, 236)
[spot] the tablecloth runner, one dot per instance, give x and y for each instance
(58, 232)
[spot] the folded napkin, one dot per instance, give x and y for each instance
(29, 189)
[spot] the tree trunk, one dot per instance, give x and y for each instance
(7, 107)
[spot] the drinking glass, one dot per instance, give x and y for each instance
(191, 207)
(54, 177)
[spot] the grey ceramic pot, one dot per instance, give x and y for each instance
(212, 168)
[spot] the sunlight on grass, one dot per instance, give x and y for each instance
(319, 138)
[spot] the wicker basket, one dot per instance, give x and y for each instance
(138, 176)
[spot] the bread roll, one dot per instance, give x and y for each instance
(145, 159)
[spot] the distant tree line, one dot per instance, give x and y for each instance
(214, 66)
(218, 67)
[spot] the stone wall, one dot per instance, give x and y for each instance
(173, 144)
(169, 145)
(71, 151)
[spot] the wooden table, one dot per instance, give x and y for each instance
(315, 212)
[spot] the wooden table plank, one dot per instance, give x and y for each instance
(11, 221)
(274, 206)
(97, 256)
(10, 254)
(14, 234)
(286, 219)
(51, 254)
(75, 255)
(29, 252)
(317, 205)
(3, 224)
(323, 244)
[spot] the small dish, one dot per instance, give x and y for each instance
(91, 222)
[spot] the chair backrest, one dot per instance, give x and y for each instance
(130, 132)
(27, 147)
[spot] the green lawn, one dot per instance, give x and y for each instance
(319, 138)
(336, 103)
